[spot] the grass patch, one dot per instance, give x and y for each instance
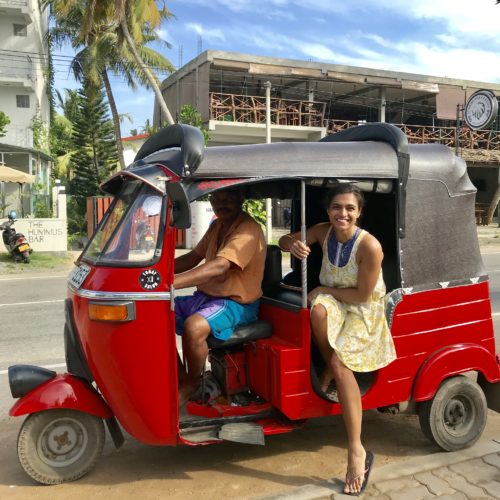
(40, 261)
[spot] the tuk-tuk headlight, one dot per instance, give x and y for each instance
(112, 311)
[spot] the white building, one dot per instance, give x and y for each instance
(131, 145)
(23, 96)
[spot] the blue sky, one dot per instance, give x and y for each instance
(453, 38)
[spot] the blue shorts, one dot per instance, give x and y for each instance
(223, 315)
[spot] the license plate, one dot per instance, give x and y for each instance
(78, 275)
(23, 248)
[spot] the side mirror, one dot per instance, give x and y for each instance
(181, 209)
(12, 215)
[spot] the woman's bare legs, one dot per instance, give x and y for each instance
(319, 329)
(349, 397)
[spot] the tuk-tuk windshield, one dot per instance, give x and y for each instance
(129, 231)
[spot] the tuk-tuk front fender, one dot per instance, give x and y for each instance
(454, 360)
(62, 391)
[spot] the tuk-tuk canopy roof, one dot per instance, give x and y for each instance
(434, 196)
(358, 159)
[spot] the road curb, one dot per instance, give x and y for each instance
(332, 488)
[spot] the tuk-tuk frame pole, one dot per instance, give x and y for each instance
(460, 109)
(303, 238)
(269, 206)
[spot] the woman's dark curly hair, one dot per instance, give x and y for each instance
(345, 188)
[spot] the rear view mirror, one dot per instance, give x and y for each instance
(181, 209)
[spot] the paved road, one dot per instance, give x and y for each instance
(32, 315)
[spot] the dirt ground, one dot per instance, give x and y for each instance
(312, 454)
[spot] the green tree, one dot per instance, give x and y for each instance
(68, 103)
(61, 145)
(190, 116)
(100, 51)
(40, 129)
(133, 21)
(94, 156)
(4, 121)
(61, 132)
(148, 128)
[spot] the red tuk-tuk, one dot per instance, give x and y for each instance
(119, 334)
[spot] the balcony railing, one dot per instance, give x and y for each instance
(18, 135)
(474, 145)
(252, 109)
(14, 66)
(485, 140)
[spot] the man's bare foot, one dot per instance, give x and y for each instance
(186, 390)
(356, 470)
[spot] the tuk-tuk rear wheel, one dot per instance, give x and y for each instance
(456, 416)
(57, 446)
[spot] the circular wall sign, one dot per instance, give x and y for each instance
(480, 109)
(150, 279)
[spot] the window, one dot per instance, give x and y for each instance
(20, 30)
(23, 101)
(129, 231)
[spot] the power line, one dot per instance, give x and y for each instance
(62, 63)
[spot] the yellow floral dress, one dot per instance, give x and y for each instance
(358, 333)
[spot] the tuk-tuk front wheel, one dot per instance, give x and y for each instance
(57, 446)
(455, 418)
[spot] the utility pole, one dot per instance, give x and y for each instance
(269, 206)
(382, 104)
(460, 109)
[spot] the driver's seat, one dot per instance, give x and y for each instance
(257, 329)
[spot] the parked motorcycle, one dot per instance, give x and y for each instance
(15, 243)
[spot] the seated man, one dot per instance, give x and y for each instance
(228, 284)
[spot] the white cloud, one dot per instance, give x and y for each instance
(448, 39)
(165, 35)
(463, 63)
(207, 34)
(481, 17)
(281, 15)
(316, 51)
(451, 38)
(240, 5)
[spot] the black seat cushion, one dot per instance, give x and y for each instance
(253, 331)
(289, 296)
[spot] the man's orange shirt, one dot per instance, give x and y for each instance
(245, 247)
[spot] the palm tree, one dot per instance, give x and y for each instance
(129, 18)
(68, 103)
(101, 51)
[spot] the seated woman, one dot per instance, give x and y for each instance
(347, 313)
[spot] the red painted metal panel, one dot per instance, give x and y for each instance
(63, 391)
(135, 363)
(423, 323)
(453, 360)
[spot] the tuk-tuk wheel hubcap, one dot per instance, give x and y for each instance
(62, 442)
(456, 413)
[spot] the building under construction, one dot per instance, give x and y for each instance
(312, 99)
